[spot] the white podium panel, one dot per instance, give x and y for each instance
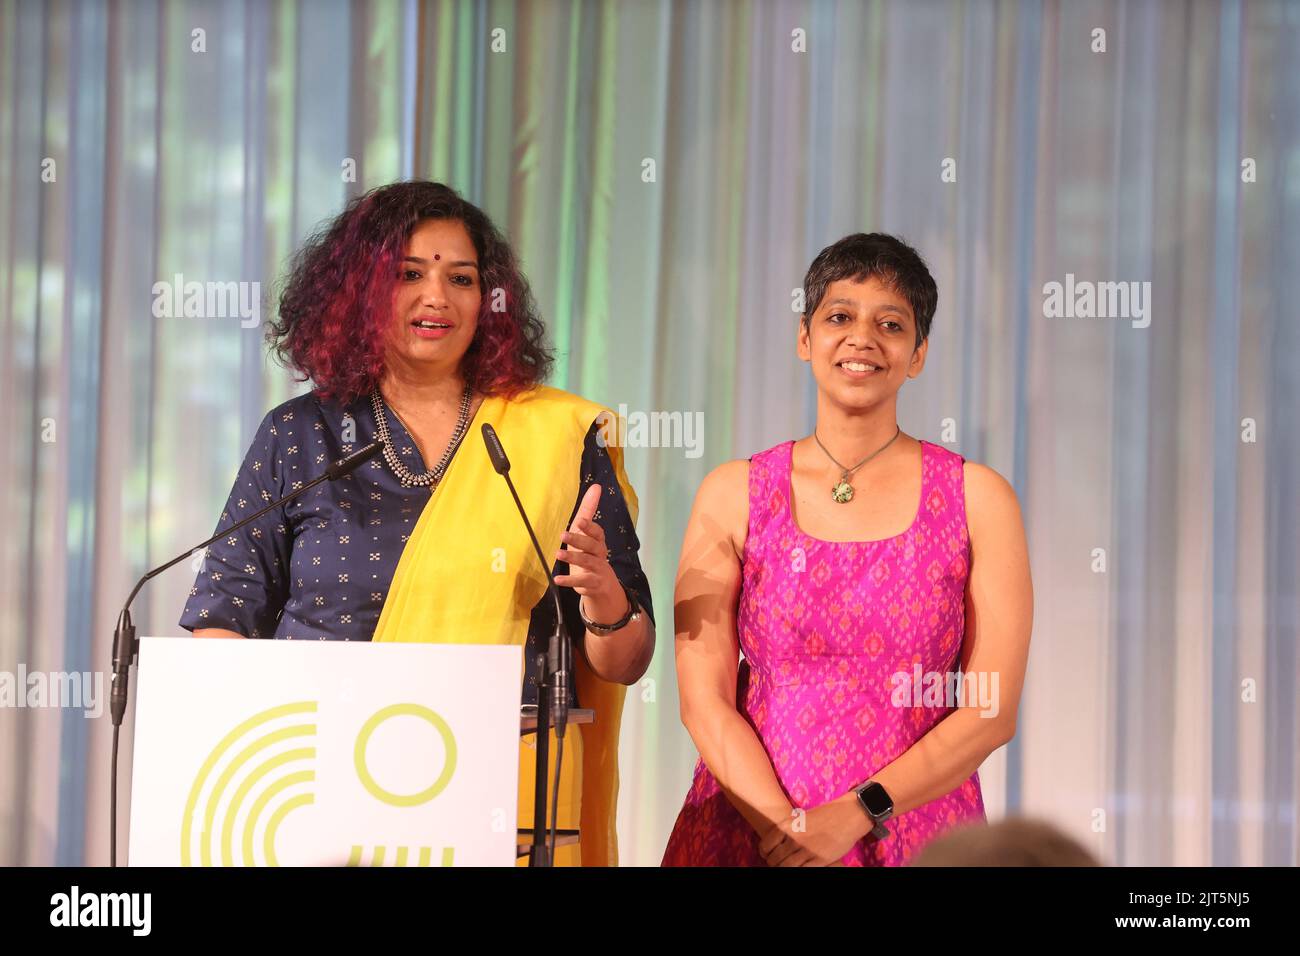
(324, 753)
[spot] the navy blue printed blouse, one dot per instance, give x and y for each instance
(319, 567)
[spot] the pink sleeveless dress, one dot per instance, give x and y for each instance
(824, 627)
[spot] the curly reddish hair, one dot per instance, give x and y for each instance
(337, 299)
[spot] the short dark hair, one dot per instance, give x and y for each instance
(875, 255)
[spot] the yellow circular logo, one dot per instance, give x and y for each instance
(397, 799)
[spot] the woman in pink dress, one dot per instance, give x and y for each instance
(884, 641)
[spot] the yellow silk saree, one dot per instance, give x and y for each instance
(468, 575)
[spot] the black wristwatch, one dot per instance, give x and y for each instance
(633, 612)
(877, 804)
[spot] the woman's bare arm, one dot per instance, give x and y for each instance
(216, 632)
(999, 617)
(707, 648)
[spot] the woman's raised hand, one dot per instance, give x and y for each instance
(590, 573)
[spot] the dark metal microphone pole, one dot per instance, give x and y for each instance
(553, 688)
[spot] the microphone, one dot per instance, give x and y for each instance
(495, 451)
(560, 668)
(345, 466)
(558, 663)
(125, 645)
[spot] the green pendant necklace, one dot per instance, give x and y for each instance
(842, 490)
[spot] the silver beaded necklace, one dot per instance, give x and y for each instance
(432, 477)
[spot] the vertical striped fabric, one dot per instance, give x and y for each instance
(667, 170)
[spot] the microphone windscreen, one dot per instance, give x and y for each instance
(345, 466)
(498, 454)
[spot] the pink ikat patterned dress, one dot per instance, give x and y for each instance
(823, 628)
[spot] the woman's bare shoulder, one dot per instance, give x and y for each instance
(722, 502)
(728, 478)
(991, 503)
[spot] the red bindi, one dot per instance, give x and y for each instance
(436, 257)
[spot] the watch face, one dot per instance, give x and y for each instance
(876, 799)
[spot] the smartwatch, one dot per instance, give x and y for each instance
(877, 804)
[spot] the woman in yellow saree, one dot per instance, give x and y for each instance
(410, 317)
(540, 431)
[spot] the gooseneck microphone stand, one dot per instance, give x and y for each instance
(553, 689)
(126, 646)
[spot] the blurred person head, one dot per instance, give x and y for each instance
(1018, 842)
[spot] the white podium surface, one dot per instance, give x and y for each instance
(324, 753)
